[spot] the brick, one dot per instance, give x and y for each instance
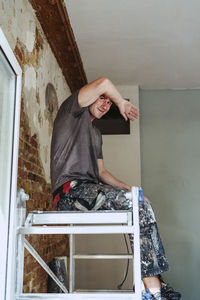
(26, 146)
(27, 138)
(31, 178)
(21, 144)
(33, 141)
(20, 163)
(27, 278)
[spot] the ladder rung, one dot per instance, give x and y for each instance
(103, 256)
(76, 229)
(79, 296)
(102, 291)
(90, 217)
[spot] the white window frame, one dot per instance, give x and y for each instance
(9, 279)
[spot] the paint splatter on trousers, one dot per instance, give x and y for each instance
(84, 195)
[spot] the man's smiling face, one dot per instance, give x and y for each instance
(100, 107)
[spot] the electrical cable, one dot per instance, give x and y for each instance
(127, 266)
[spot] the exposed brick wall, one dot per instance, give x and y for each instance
(31, 178)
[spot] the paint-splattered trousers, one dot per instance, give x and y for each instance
(84, 195)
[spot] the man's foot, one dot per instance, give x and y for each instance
(167, 291)
(158, 296)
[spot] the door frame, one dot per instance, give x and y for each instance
(9, 281)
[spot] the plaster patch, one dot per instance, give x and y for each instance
(29, 78)
(30, 36)
(38, 97)
(46, 154)
(26, 17)
(35, 120)
(40, 120)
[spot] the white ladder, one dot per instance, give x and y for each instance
(98, 222)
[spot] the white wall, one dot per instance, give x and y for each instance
(170, 149)
(122, 158)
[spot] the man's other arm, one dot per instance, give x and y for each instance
(107, 178)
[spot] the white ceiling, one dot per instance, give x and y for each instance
(152, 43)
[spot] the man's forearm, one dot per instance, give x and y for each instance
(107, 178)
(90, 92)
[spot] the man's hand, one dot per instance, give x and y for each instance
(147, 199)
(128, 110)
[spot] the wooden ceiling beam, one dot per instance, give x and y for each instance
(54, 19)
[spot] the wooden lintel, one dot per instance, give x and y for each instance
(54, 19)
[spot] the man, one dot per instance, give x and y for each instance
(81, 182)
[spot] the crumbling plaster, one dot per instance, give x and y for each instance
(26, 38)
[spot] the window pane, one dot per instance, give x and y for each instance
(7, 103)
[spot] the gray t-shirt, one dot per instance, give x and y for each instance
(76, 145)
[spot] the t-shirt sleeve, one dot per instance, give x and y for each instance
(71, 105)
(99, 144)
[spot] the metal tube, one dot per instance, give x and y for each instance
(137, 264)
(44, 265)
(76, 229)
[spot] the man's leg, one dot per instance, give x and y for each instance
(153, 259)
(85, 196)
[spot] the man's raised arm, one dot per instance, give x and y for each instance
(103, 86)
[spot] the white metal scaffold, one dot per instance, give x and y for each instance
(98, 222)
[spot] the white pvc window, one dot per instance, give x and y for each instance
(10, 85)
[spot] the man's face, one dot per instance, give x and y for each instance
(100, 107)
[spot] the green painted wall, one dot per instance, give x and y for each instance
(170, 168)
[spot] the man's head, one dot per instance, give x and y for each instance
(100, 107)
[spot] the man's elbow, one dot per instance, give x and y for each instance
(103, 174)
(102, 85)
(100, 176)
